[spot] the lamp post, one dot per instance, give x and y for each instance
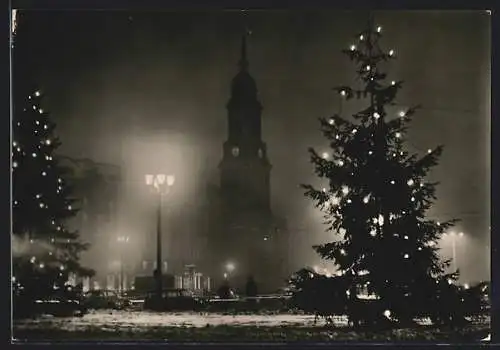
(157, 182)
(454, 237)
(122, 240)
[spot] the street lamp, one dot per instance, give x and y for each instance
(122, 240)
(454, 237)
(158, 182)
(229, 268)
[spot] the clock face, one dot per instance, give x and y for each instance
(235, 151)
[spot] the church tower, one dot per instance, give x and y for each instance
(245, 168)
(245, 237)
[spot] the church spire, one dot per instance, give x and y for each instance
(243, 63)
(243, 59)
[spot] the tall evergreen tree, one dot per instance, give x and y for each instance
(377, 194)
(45, 251)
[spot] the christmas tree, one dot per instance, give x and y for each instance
(376, 195)
(45, 251)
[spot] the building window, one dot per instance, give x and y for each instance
(235, 151)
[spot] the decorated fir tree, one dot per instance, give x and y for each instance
(376, 194)
(45, 252)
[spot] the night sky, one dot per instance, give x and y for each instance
(110, 76)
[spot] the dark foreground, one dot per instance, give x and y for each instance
(183, 327)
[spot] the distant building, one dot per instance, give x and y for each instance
(96, 187)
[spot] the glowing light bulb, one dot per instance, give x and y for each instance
(48, 142)
(61, 267)
(429, 151)
(402, 113)
(379, 29)
(34, 108)
(391, 53)
(41, 205)
(373, 233)
(353, 47)
(33, 155)
(392, 182)
(354, 131)
(343, 93)
(37, 93)
(337, 137)
(398, 135)
(406, 256)
(69, 207)
(342, 251)
(14, 164)
(370, 152)
(419, 248)
(33, 259)
(44, 173)
(361, 37)
(368, 67)
(331, 122)
(340, 162)
(349, 201)
(413, 199)
(410, 182)
(450, 281)
(19, 149)
(345, 189)
(52, 240)
(393, 82)
(376, 115)
(366, 199)
(40, 111)
(405, 237)
(324, 155)
(381, 220)
(41, 265)
(323, 189)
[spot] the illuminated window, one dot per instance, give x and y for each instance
(235, 151)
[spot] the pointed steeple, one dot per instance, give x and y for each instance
(243, 59)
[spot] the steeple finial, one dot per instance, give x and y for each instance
(243, 59)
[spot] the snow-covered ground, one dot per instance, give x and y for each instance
(130, 320)
(143, 319)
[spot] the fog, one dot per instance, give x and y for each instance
(147, 92)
